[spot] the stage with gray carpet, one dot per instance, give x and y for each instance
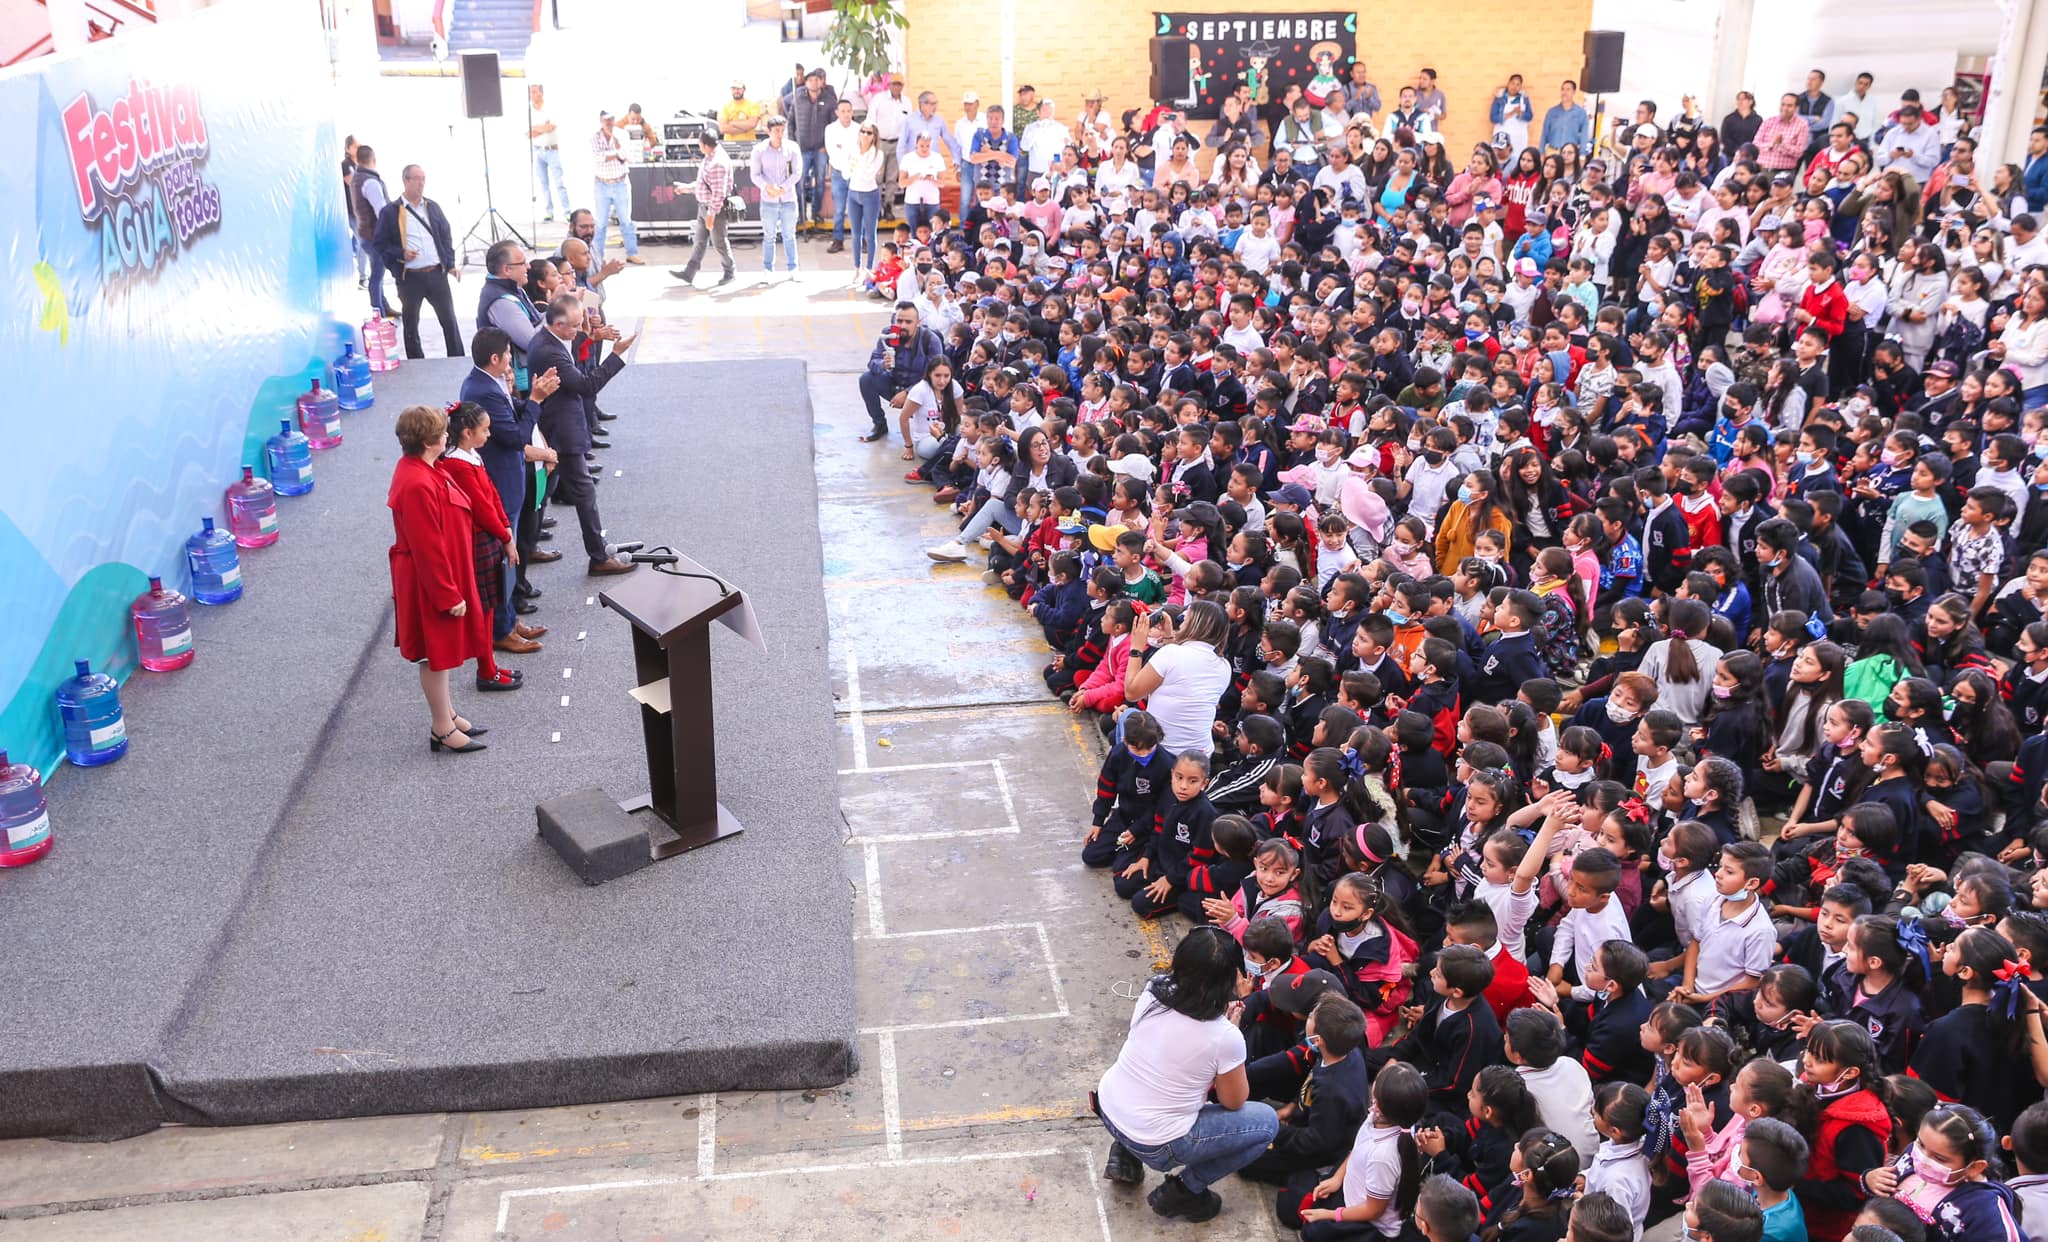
(281, 906)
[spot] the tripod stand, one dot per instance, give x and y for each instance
(491, 217)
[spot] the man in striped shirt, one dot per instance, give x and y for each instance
(713, 184)
(1781, 140)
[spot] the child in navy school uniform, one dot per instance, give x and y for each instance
(1447, 1212)
(1514, 657)
(1060, 606)
(1269, 949)
(1134, 778)
(1151, 872)
(1952, 1178)
(1606, 1032)
(1455, 1036)
(1886, 971)
(1364, 939)
(1084, 650)
(1478, 1155)
(1703, 1057)
(1217, 868)
(1280, 814)
(1317, 1127)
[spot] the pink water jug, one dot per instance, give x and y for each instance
(320, 416)
(252, 510)
(380, 344)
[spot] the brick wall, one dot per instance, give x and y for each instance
(1067, 47)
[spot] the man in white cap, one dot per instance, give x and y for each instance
(1043, 140)
(741, 117)
(614, 192)
(967, 125)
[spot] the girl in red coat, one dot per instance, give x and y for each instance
(441, 622)
(491, 541)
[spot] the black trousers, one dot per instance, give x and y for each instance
(526, 524)
(427, 284)
(573, 487)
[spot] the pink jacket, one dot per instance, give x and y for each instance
(1718, 1160)
(1104, 689)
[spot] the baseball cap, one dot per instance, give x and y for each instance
(1200, 511)
(1292, 494)
(1094, 96)
(1298, 994)
(741, 83)
(1041, 183)
(1103, 538)
(1132, 466)
(605, 115)
(970, 97)
(1073, 527)
(1944, 367)
(1526, 266)
(1783, 178)
(1481, 202)
(1646, 131)
(1364, 457)
(1501, 138)
(1537, 218)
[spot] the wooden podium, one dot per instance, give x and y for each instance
(672, 617)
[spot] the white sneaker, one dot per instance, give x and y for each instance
(990, 577)
(987, 541)
(950, 552)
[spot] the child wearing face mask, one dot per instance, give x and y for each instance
(1976, 1052)
(1366, 941)
(1840, 1078)
(1951, 1178)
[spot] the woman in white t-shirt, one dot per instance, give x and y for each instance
(1117, 177)
(1183, 1044)
(919, 174)
(1180, 673)
(1378, 1183)
(931, 411)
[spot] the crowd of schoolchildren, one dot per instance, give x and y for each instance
(1560, 563)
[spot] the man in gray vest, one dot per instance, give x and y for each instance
(366, 197)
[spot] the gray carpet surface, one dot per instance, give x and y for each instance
(296, 911)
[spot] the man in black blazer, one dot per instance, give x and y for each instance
(566, 417)
(509, 454)
(416, 244)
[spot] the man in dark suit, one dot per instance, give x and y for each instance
(567, 415)
(507, 458)
(418, 247)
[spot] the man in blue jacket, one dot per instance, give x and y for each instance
(566, 417)
(508, 456)
(905, 349)
(2034, 180)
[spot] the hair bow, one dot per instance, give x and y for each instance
(1606, 752)
(1635, 810)
(2011, 969)
(1138, 606)
(1354, 765)
(1926, 745)
(451, 407)
(1292, 840)
(1393, 767)
(1560, 1194)
(1914, 938)
(2012, 983)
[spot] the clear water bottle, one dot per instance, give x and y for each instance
(89, 704)
(252, 510)
(380, 344)
(24, 816)
(163, 628)
(352, 379)
(216, 566)
(320, 417)
(291, 460)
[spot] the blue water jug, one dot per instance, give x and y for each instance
(216, 566)
(352, 379)
(24, 816)
(89, 704)
(291, 460)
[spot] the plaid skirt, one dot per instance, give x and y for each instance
(490, 568)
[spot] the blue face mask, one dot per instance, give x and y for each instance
(1396, 616)
(1465, 493)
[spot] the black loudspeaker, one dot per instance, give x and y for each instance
(1602, 75)
(1172, 59)
(481, 96)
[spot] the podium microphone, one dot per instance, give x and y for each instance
(664, 560)
(652, 558)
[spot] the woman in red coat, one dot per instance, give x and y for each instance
(441, 623)
(493, 550)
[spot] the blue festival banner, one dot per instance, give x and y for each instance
(171, 235)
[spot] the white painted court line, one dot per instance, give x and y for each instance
(956, 931)
(1095, 1187)
(1010, 829)
(707, 1134)
(904, 1028)
(505, 1197)
(873, 868)
(892, 1101)
(923, 767)
(889, 838)
(854, 709)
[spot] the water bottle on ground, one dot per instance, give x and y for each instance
(216, 566)
(320, 417)
(352, 386)
(163, 628)
(24, 816)
(291, 460)
(380, 344)
(89, 705)
(252, 510)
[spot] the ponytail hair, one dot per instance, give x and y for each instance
(1400, 1095)
(1688, 620)
(1847, 1045)
(1900, 945)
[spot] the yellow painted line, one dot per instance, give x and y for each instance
(486, 1154)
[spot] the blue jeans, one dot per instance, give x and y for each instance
(993, 512)
(615, 196)
(778, 220)
(548, 160)
(817, 170)
(915, 214)
(377, 299)
(1221, 1142)
(867, 214)
(840, 197)
(2034, 398)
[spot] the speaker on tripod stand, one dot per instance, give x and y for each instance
(482, 97)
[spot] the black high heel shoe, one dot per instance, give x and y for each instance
(438, 742)
(475, 730)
